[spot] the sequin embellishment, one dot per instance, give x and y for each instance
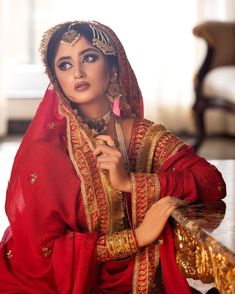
(33, 178)
(9, 254)
(46, 251)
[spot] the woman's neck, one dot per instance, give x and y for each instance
(94, 111)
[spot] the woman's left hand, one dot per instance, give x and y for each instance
(109, 158)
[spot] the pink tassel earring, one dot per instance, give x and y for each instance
(116, 106)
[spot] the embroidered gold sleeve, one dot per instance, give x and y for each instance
(118, 245)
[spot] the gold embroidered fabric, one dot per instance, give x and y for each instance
(143, 184)
(155, 145)
(121, 244)
(116, 246)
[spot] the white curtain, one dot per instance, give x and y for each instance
(3, 101)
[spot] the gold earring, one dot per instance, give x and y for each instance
(113, 91)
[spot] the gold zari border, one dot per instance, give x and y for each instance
(203, 260)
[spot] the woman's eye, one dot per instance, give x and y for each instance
(89, 58)
(64, 65)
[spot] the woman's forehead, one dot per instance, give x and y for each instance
(81, 46)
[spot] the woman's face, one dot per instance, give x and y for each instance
(82, 72)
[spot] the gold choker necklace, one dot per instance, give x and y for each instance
(98, 125)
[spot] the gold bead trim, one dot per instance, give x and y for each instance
(71, 37)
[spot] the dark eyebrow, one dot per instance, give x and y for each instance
(80, 53)
(63, 58)
(89, 49)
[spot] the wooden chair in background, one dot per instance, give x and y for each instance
(214, 83)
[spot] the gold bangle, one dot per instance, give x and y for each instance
(121, 244)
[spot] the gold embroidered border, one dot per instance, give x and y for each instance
(140, 129)
(103, 205)
(133, 200)
(153, 188)
(116, 207)
(101, 249)
(146, 189)
(139, 204)
(147, 149)
(167, 146)
(80, 151)
(158, 143)
(146, 263)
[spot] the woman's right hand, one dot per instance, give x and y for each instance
(155, 219)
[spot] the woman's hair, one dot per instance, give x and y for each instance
(85, 30)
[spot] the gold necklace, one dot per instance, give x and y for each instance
(98, 125)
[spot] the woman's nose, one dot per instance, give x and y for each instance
(78, 71)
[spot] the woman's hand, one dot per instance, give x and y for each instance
(109, 159)
(155, 220)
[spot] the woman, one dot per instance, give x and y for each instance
(93, 182)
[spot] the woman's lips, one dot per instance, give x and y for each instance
(81, 86)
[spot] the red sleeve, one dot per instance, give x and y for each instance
(191, 177)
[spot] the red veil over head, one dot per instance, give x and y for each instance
(45, 181)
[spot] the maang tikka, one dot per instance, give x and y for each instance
(99, 39)
(70, 37)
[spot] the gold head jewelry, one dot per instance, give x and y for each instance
(102, 41)
(70, 37)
